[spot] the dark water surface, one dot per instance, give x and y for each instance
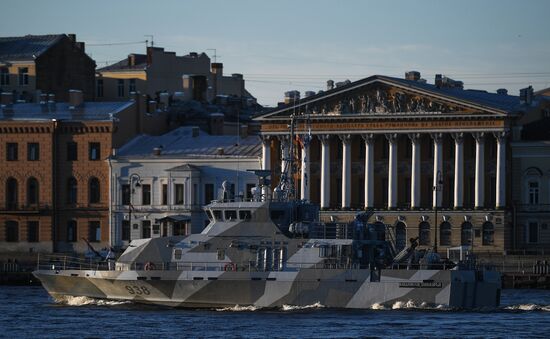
(28, 312)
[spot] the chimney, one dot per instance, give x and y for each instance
(438, 80)
(152, 107)
(81, 46)
(216, 122)
(292, 96)
(131, 60)
(309, 93)
(217, 68)
(412, 75)
(76, 98)
(193, 54)
(243, 131)
(72, 37)
(526, 95)
(194, 131)
(502, 91)
(330, 85)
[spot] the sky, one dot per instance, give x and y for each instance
(287, 45)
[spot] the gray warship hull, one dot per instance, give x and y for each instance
(340, 288)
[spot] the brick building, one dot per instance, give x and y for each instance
(53, 64)
(54, 171)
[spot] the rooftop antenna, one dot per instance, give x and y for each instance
(146, 41)
(215, 56)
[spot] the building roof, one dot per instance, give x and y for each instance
(100, 111)
(140, 63)
(489, 101)
(27, 47)
(180, 143)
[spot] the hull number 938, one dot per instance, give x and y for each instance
(137, 290)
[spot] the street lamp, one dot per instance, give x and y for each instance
(437, 188)
(132, 190)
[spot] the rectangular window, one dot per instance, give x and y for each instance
(4, 76)
(12, 231)
(71, 231)
(94, 150)
(32, 231)
(99, 88)
(125, 195)
(11, 151)
(208, 193)
(94, 234)
(120, 86)
(72, 151)
(23, 76)
(132, 85)
(178, 194)
(156, 229)
(245, 215)
(533, 193)
(125, 230)
(146, 194)
(230, 215)
(533, 232)
(33, 151)
(146, 229)
(164, 194)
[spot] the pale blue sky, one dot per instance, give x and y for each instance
(284, 45)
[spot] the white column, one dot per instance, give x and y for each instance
(415, 170)
(392, 170)
(459, 170)
(325, 170)
(266, 152)
(305, 181)
(501, 170)
(346, 170)
(285, 154)
(438, 168)
(480, 169)
(369, 170)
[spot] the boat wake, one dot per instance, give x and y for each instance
(86, 301)
(528, 307)
(409, 305)
(287, 308)
(238, 308)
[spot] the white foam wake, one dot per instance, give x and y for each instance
(83, 301)
(408, 305)
(297, 308)
(528, 307)
(238, 308)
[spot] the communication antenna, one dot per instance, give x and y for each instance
(146, 41)
(215, 56)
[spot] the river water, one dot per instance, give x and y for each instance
(29, 312)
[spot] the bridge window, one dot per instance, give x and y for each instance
(230, 215)
(218, 215)
(245, 215)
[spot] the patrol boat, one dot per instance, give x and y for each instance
(271, 251)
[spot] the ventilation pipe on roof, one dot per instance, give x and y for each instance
(502, 91)
(330, 84)
(412, 75)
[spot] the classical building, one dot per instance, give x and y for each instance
(53, 173)
(160, 183)
(188, 77)
(430, 160)
(52, 64)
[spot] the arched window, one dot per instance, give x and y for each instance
(445, 234)
(72, 190)
(32, 191)
(11, 194)
(424, 233)
(94, 190)
(466, 234)
(488, 233)
(400, 236)
(12, 231)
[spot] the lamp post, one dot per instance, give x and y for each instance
(132, 190)
(437, 188)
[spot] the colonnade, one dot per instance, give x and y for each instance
(392, 138)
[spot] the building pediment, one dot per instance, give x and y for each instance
(385, 96)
